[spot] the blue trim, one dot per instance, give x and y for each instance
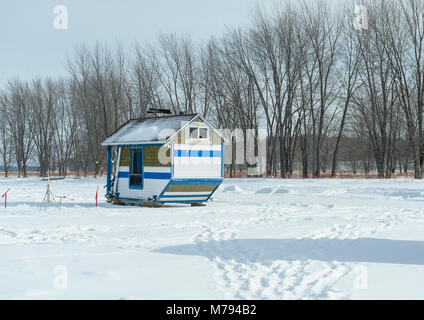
(157, 175)
(187, 196)
(183, 153)
(148, 175)
(117, 161)
(213, 192)
(109, 168)
(166, 188)
(142, 169)
(222, 160)
(199, 153)
(140, 145)
(123, 174)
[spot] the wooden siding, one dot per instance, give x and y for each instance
(125, 157)
(190, 188)
(151, 158)
(180, 138)
(214, 139)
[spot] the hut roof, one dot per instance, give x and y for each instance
(148, 130)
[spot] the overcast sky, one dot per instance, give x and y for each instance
(31, 46)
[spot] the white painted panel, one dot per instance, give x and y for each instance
(193, 169)
(157, 169)
(115, 183)
(150, 187)
(213, 147)
(197, 161)
(197, 167)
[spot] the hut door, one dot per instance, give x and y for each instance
(136, 168)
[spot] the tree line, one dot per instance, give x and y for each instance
(328, 94)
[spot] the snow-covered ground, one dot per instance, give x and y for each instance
(257, 239)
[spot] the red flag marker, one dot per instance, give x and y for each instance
(97, 192)
(61, 197)
(5, 197)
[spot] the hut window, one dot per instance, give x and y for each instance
(198, 133)
(203, 133)
(136, 168)
(194, 133)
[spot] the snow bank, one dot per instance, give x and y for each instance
(265, 190)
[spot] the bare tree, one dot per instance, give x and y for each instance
(349, 63)
(322, 28)
(5, 137)
(21, 124)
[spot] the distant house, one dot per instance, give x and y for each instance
(168, 159)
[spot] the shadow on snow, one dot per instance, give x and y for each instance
(325, 249)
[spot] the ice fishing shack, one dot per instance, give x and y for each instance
(164, 159)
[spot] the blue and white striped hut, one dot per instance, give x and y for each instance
(168, 159)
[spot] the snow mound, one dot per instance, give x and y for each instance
(281, 190)
(232, 188)
(265, 190)
(406, 194)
